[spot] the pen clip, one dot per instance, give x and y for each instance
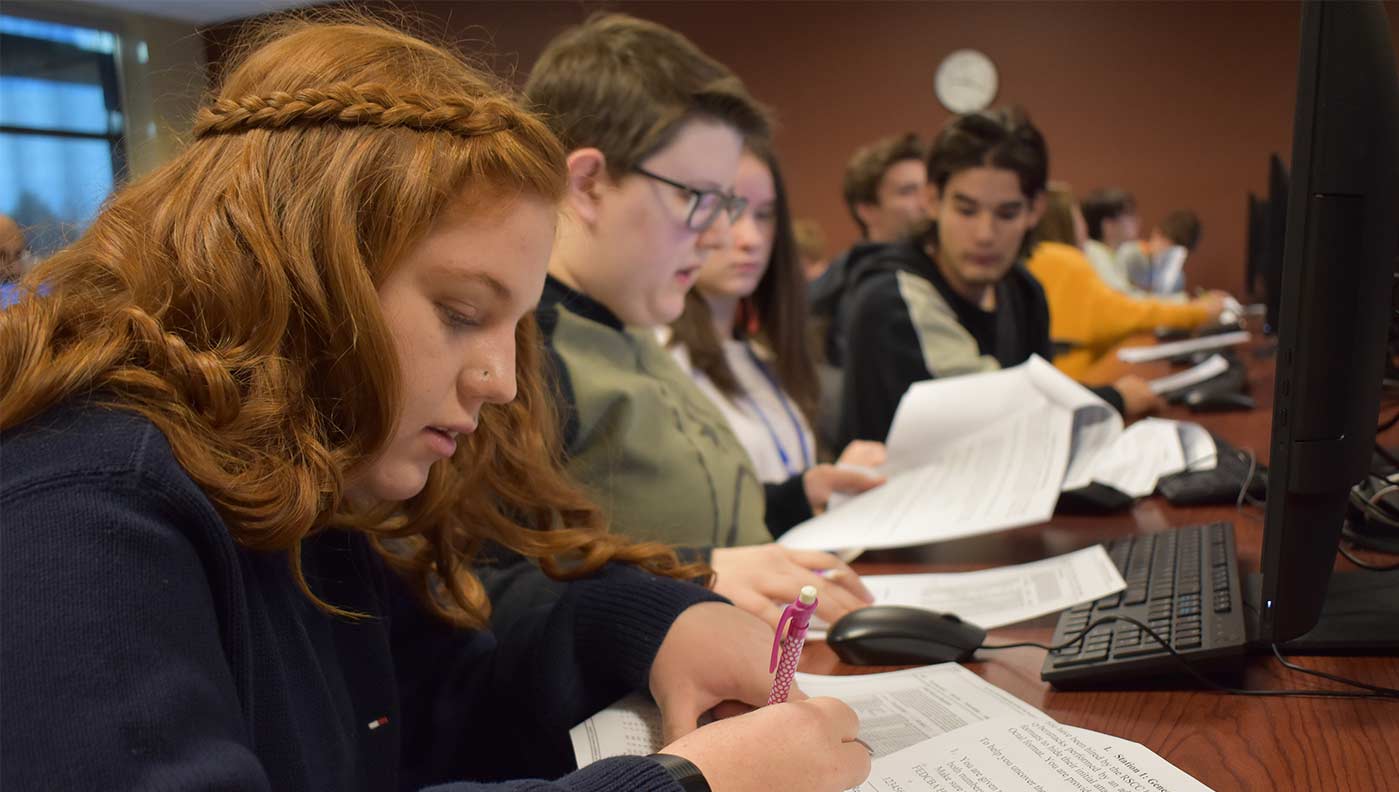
(777, 637)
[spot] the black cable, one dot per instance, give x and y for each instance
(1248, 479)
(1386, 692)
(1363, 564)
(1377, 692)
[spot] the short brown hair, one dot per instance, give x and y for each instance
(626, 86)
(1182, 227)
(868, 165)
(1003, 138)
(1108, 203)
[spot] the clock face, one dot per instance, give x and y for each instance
(966, 81)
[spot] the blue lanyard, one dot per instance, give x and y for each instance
(787, 408)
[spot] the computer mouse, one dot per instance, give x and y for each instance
(899, 635)
(1217, 401)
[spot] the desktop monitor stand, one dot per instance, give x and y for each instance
(1360, 616)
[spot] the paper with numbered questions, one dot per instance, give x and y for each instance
(991, 598)
(1209, 343)
(1010, 754)
(897, 709)
(938, 728)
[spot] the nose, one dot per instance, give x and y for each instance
(744, 232)
(490, 377)
(985, 227)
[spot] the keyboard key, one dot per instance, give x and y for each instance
(1148, 647)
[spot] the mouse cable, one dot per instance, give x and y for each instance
(1248, 479)
(1373, 691)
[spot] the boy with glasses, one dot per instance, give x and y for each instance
(654, 129)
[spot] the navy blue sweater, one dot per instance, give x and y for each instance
(143, 649)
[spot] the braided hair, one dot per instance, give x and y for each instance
(230, 297)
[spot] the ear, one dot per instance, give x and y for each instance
(862, 211)
(587, 179)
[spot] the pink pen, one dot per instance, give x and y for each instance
(799, 616)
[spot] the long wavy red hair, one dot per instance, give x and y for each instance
(230, 298)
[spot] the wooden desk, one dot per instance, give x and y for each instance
(1227, 742)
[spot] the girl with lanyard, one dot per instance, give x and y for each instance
(743, 338)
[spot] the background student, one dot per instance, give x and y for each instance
(742, 336)
(1086, 314)
(1110, 215)
(958, 299)
(1156, 265)
(885, 191)
(654, 129)
(272, 401)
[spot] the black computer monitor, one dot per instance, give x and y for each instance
(1274, 238)
(1256, 218)
(1332, 332)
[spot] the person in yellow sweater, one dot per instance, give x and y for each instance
(1086, 315)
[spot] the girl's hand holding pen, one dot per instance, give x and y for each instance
(715, 659)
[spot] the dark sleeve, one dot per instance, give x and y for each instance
(885, 358)
(115, 672)
(499, 704)
(559, 382)
(1111, 395)
(786, 505)
(630, 773)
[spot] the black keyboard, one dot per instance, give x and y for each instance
(1184, 584)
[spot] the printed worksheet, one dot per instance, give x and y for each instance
(1010, 754)
(991, 598)
(897, 709)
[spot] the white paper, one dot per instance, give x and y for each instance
(1144, 452)
(630, 727)
(992, 598)
(1198, 446)
(1006, 474)
(1143, 354)
(1095, 428)
(1202, 372)
(897, 709)
(966, 455)
(1010, 754)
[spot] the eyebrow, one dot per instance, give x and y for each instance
(1016, 204)
(501, 291)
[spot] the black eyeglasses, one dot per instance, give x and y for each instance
(705, 205)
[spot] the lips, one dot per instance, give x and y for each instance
(746, 267)
(443, 439)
